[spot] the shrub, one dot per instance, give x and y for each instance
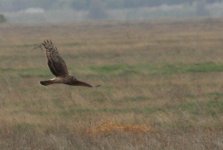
(2, 18)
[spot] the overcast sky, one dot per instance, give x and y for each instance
(53, 11)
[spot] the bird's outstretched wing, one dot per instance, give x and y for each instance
(55, 62)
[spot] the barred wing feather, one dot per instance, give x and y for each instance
(55, 62)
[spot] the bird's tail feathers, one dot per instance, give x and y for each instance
(81, 83)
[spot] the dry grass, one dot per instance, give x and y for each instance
(161, 87)
(108, 127)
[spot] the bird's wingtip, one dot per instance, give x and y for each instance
(97, 85)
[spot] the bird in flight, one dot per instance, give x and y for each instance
(58, 67)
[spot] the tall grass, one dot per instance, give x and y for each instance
(161, 86)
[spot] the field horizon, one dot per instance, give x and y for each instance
(161, 86)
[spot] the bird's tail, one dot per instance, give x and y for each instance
(81, 83)
(47, 82)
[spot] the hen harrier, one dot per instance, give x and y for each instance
(58, 67)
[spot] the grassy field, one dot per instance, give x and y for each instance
(162, 87)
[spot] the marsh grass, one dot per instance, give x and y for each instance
(163, 76)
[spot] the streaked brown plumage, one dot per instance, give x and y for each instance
(58, 67)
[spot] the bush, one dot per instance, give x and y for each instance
(2, 18)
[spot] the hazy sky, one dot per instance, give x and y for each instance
(16, 5)
(53, 11)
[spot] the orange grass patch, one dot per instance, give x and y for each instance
(111, 127)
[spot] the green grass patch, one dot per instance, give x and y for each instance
(146, 110)
(126, 70)
(191, 107)
(163, 69)
(80, 111)
(212, 107)
(203, 67)
(34, 72)
(23, 127)
(28, 72)
(215, 95)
